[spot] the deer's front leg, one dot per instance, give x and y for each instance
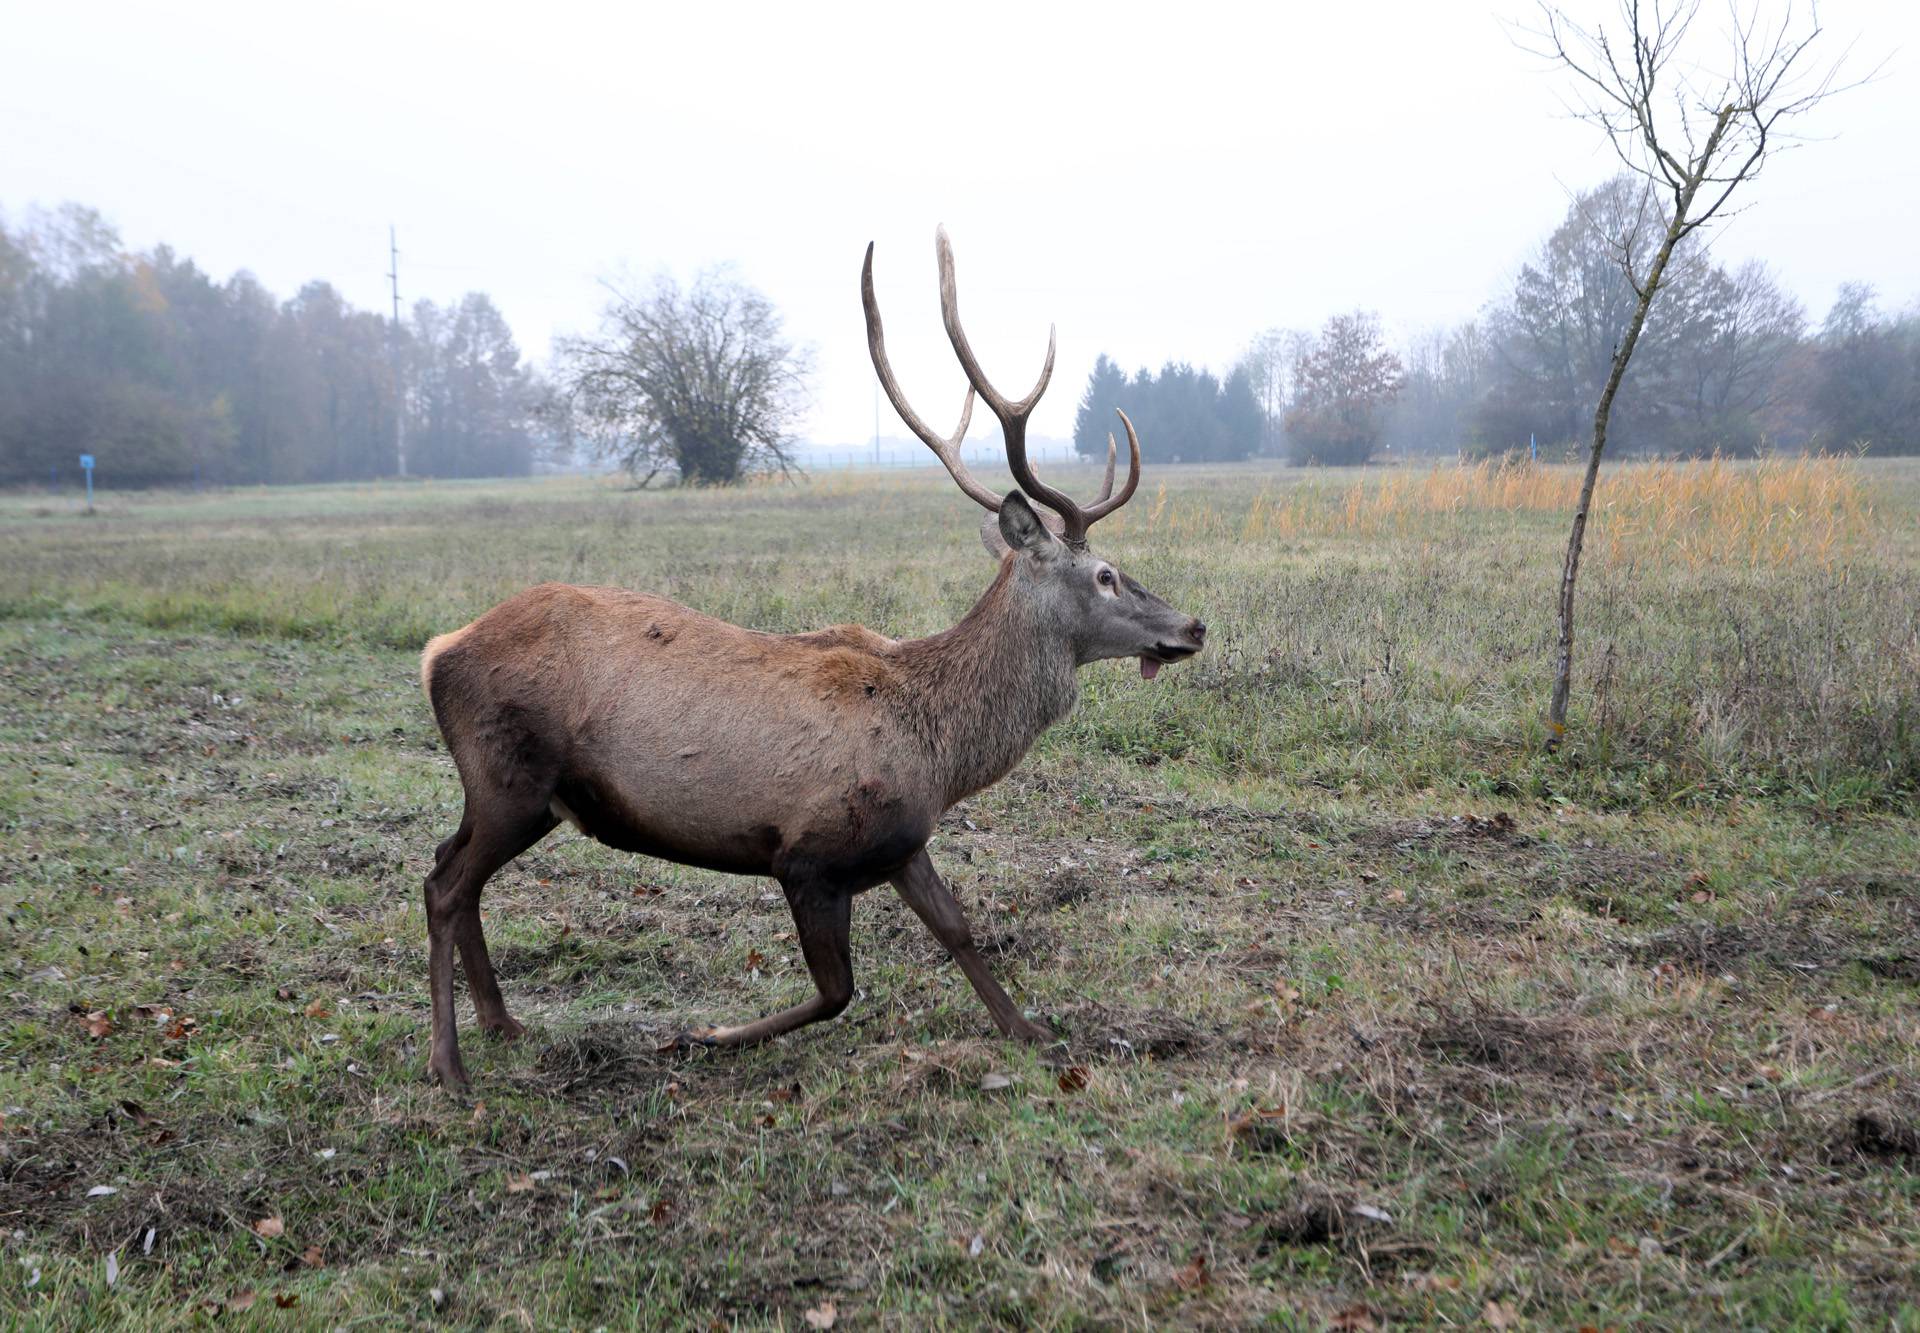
(920, 885)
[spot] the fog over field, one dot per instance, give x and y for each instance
(1162, 186)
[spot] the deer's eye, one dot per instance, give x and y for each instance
(1106, 578)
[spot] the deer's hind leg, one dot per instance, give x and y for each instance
(822, 918)
(491, 834)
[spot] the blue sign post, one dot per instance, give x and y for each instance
(86, 466)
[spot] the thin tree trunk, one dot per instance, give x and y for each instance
(1570, 571)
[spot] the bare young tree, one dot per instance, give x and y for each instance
(701, 381)
(1695, 131)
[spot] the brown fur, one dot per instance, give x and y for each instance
(823, 760)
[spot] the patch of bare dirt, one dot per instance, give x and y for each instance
(1447, 917)
(1881, 1135)
(1406, 835)
(1069, 887)
(1894, 967)
(1600, 876)
(39, 1179)
(601, 1056)
(1511, 1043)
(1709, 948)
(1878, 884)
(1094, 1030)
(1789, 946)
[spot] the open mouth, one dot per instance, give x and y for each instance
(1162, 655)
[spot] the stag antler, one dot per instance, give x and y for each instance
(1013, 415)
(1074, 520)
(947, 450)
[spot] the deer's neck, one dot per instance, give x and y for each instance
(983, 691)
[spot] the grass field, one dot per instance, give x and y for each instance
(1375, 1014)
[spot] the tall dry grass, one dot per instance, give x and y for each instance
(1697, 513)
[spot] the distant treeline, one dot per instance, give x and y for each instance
(1728, 363)
(167, 376)
(1181, 414)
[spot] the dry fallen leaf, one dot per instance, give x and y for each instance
(1500, 1316)
(1248, 1122)
(755, 960)
(269, 1228)
(313, 1257)
(1193, 1276)
(662, 1210)
(1074, 1078)
(1355, 1318)
(241, 1301)
(995, 1083)
(286, 1300)
(317, 1008)
(518, 1182)
(822, 1315)
(98, 1024)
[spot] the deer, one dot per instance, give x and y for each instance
(823, 761)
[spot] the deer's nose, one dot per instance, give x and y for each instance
(1198, 629)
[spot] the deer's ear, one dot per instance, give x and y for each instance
(1019, 527)
(990, 535)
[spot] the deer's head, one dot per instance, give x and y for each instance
(1091, 603)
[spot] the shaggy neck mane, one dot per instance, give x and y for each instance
(982, 692)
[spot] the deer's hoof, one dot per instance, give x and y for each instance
(448, 1073)
(692, 1039)
(505, 1029)
(1032, 1033)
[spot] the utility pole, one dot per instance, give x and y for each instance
(399, 370)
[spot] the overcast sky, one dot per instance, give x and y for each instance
(1160, 181)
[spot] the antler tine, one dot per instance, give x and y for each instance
(1106, 505)
(1106, 482)
(946, 450)
(1013, 416)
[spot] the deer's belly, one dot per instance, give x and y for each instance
(849, 828)
(711, 840)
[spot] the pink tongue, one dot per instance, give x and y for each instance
(1148, 668)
